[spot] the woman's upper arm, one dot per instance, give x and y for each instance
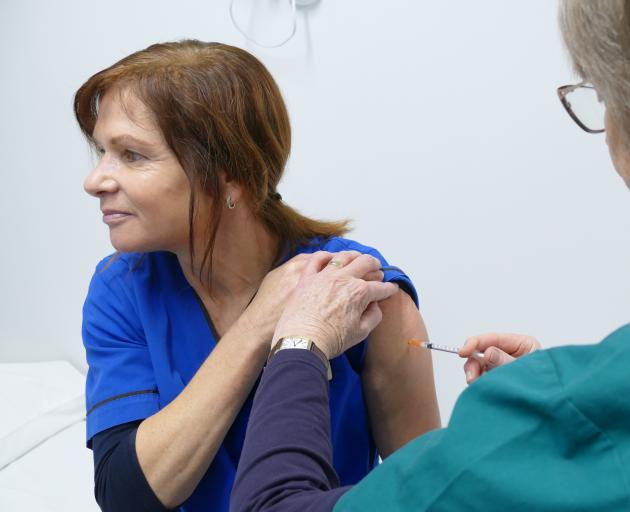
(397, 378)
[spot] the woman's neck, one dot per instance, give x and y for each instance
(244, 252)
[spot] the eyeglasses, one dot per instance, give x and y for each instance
(584, 106)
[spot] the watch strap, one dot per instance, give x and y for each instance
(301, 343)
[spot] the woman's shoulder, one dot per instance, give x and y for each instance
(337, 244)
(130, 267)
(123, 281)
(116, 265)
(392, 274)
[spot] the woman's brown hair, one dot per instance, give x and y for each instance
(219, 109)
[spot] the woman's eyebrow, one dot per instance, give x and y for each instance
(125, 140)
(129, 140)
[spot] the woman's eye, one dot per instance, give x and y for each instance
(132, 156)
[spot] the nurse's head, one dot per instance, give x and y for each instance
(597, 35)
(192, 137)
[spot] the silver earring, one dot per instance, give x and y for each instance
(230, 204)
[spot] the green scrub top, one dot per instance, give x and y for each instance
(549, 432)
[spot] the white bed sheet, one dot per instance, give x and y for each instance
(38, 400)
(44, 464)
(56, 476)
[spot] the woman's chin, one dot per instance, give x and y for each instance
(126, 245)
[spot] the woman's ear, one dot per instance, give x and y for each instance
(232, 191)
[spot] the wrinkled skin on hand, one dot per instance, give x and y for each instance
(333, 304)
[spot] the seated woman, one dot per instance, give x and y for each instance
(193, 139)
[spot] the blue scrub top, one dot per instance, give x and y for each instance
(146, 334)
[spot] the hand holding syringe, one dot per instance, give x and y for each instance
(486, 351)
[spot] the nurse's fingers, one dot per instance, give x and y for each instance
(342, 259)
(494, 357)
(362, 266)
(376, 292)
(516, 345)
(472, 369)
(371, 317)
(374, 276)
(317, 262)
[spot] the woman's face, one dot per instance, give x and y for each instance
(143, 191)
(619, 153)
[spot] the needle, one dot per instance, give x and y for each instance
(441, 348)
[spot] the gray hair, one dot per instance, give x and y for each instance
(597, 36)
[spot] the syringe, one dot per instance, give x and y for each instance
(441, 348)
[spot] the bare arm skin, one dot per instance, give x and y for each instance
(398, 379)
(176, 445)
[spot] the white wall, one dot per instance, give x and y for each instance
(435, 125)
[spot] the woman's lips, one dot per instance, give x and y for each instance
(114, 216)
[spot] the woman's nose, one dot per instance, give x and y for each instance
(100, 180)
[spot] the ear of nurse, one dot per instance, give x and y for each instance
(619, 155)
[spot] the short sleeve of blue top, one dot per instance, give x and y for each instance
(146, 334)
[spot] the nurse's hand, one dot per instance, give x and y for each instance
(498, 349)
(333, 304)
(261, 316)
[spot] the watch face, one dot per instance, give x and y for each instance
(295, 343)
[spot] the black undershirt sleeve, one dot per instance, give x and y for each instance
(119, 483)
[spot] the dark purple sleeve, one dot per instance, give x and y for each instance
(286, 462)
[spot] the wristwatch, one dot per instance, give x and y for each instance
(300, 342)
